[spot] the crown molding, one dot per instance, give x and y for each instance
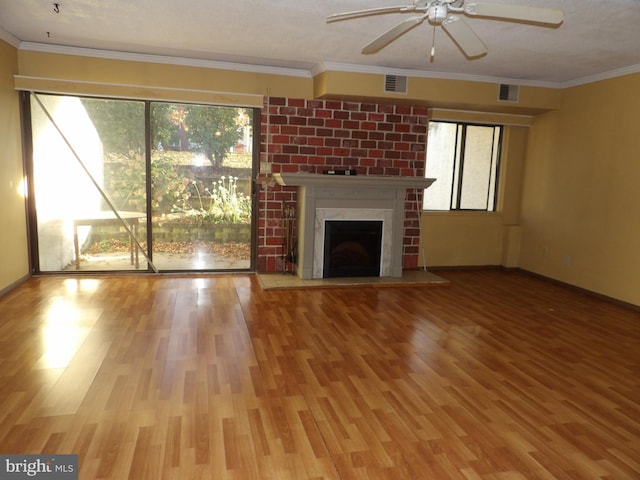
(305, 72)
(352, 68)
(164, 59)
(619, 72)
(10, 39)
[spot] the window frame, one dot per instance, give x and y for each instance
(458, 165)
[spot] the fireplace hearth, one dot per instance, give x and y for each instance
(352, 248)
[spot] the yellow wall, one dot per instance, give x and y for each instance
(14, 264)
(435, 92)
(568, 205)
(56, 72)
(142, 79)
(481, 238)
(581, 195)
(461, 239)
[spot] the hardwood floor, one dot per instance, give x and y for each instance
(498, 376)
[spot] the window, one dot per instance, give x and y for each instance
(464, 160)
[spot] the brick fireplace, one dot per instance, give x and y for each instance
(309, 136)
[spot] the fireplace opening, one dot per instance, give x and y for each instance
(352, 248)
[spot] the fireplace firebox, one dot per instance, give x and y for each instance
(352, 248)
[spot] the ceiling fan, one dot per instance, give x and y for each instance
(446, 14)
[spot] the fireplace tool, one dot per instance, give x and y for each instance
(290, 240)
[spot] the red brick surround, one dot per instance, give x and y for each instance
(314, 135)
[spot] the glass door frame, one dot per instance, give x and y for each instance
(28, 162)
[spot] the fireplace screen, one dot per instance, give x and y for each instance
(352, 248)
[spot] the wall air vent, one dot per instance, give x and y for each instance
(508, 93)
(395, 84)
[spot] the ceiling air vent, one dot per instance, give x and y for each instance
(395, 84)
(508, 93)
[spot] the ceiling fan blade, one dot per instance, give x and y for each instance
(370, 11)
(464, 37)
(390, 35)
(523, 13)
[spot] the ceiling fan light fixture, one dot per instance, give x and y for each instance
(437, 13)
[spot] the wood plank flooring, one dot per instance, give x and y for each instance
(499, 376)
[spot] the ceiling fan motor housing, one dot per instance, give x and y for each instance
(437, 13)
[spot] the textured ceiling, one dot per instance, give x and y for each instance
(597, 38)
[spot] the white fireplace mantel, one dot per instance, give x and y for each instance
(350, 181)
(354, 197)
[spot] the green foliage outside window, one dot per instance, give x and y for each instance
(180, 132)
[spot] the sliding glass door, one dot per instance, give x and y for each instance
(135, 185)
(201, 171)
